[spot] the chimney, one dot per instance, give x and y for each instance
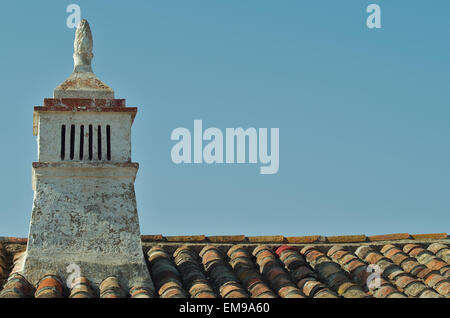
(84, 211)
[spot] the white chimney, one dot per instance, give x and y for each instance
(84, 209)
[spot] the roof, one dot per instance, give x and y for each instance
(356, 266)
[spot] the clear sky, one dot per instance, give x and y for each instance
(363, 113)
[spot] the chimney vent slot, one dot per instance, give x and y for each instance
(90, 142)
(108, 142)
(63, 141)
(99, 142)
(72, 141)
(81, 142)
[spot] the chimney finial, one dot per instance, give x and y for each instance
(82, 48)
(83, 83)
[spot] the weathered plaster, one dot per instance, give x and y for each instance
(85, 215)
(49, 134)
(83, 85)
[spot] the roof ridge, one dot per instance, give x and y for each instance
(274, 239)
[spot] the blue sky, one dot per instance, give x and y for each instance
(363, 114)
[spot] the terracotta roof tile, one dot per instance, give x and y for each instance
(138, 291)
(416, 251)
(49, 286)
(266, 239)
(326, 269)
(147, 238)
(436, 247)
(226, 238)
(394, 271)
(389, 237)
(302, 272)
(303, 239)
(400, 258)
(14, 240)
(355, 292)
(387, 247)
(165, 274)
(409, 247)
(385, 291)
(363, 251)
(333, 275)
(347, 259)
(224, 279)
(277, 277)
(436, 264)
(360, 273)
(292, 259)
(423, 274)
(354, 265)
(17, 287)
(404, 280)
(290, 291)
(110, 288)
(428, 293)
(192, 274)
(346, 238)
(339, 254)
(445, 272)
(247, 273)
(415, 289)
(441, 250)
(81, 288)
(325, 293)
(232, 290)
(259, 249)
(261, 289)
(424, 256)
(190, 238)
(412, 266)
(261, 267)
(201, 290)
(307, 249)
(334, 249)
(434, 279)
(172, 289)
(345, 287)
(283, 248)
(311, 287)
(429, 236)
(443, 288)
(374, 257)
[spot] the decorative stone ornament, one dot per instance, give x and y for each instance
(83, 83)
(82, 48)
(84, 211)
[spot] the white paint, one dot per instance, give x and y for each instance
(49, 137)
